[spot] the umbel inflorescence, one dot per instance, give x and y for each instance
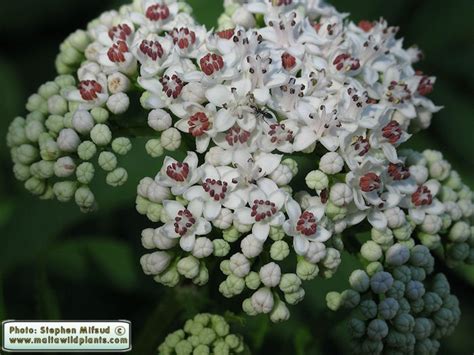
(286, 123)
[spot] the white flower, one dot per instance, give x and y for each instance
(185, 223)
(118, 82)
(266, 200)
(216, 191)
(179, 176)
(423, 201)
(304, 226)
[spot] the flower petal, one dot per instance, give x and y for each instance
(186, 242)
(301, 245)
(261, 230)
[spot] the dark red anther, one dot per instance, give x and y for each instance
(89, 89)
(211, 63)
(369, 182)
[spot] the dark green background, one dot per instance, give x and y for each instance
(56, 263)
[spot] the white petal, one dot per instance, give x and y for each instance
(301, 245)
(304, 139)
(219, 95)
(196, 207)
(202, 142)
(233, 201)
(278, 197)
(203, 227)
(267, 186)
(436, 208)
(377, 219)
(172, 207)
(186, 242)
(195, 192)
(322, 234)
(192, 160)
(417, 214)
(293, 209)
(261, 230)
(256, 194)
(242, 215)
(224, 120)
(268, 162)
(212, 210)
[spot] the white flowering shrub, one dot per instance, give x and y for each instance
(280, 134)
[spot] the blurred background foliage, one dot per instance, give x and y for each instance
(56, 263)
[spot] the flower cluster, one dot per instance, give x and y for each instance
(285, 91)
(204, 334)
(399, 305)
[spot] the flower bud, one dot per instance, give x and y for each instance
(282, 175)
(371, 251)
(419, 173)
(231, 235)
(117, 83)
(118, 177)
(64, 190)
(252, 280)
(154, 148)
(397, 255)
(193, 92)
(118, 103)
(381, 282)
(368, 309)
(35, 186)
(262, 300)
(243, 17)
(431, 224)
(440, 170)
(159, 120)
(460, 232)
(68, 140)
(64, 167)
(305, 270)
(101, 134)
(331, 163)
(388, 308)
(22, 172)
(316, 252)
(155, 263)
(48, 89)
(251, 246)
(107, 161)
(239, 265)
(171, 139)
(86, 150)
(100, 115)
(248, 308)
(57, 105)
(224, 219)
(33, 130)
(340, 194)
(82, 121)
(270, 274)
(359, 281)
(203, 247)
(280, 312)
(277, 233)
(377, 329)
(279, 250)
(334, 300)
(395, 217)
(49, 150)
(121, 145)
(188, 267)
(85, 173)
(84, 197)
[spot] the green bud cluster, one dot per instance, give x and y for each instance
(205, 334)
(399, 305)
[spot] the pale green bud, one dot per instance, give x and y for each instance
(231, 235)
(335, 212)
(65, 81)
(402, 273)
(221, 247)
(48, 193)
(236, 284)
(169, 278)
(359, 280)
(404, 232)
(192, 327)
(371, 251)
(154, 148)
(397, 290)
(433, 302)
(225, 267)
(100, 115)
(101, 134)
(290, 283)
(252, 280)
(121, 146)
(184, 347)
(188, 267)
(207, 336)
(276, 233)
(248, 308)
(171, 139)
(220, 347)
(203, 277)
(86, 150)
(154, 211)
(292, 164)
(64, 190)
(219, 325)
(54, 123)
(458, 251)
(70, 56)
(460, 232)
(368, 309)
(280, 312)
(35, 103)
(334, 300)
(48, 89)
(118, 177)
(422, 328)
(26, 154)
(279, 250)
(57, 105)
(429, 240)
(174, 338)
(317, 180)
(107, 161)
(373, 268)
(357, 328)
(85, 173)
(397, 255)
(84, 197)
(49, 150)
(33, 130)
(305, 270)
(79, 40)
(42, 169)
(295, 297)
(35, 186)
(201, 349)
(22, 172)
(382, 238)
(233, 341)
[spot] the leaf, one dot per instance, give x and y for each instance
(302, 340)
